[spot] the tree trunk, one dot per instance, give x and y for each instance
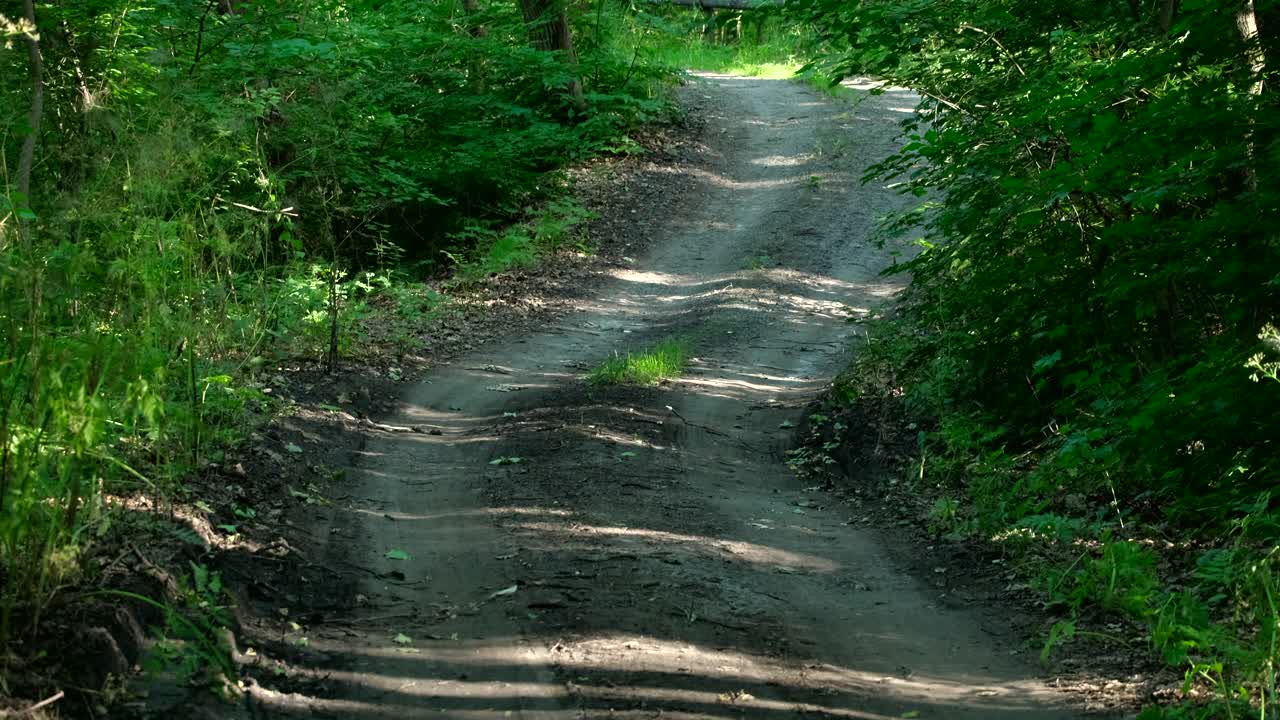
(1256, 64)
(549, 30)
(1167, 12)
(470, 8)
(1247, 24)
(26, 159)
(476, 66)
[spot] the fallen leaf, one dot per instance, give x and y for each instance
(293, 448)
(397, 555)
(402, 639)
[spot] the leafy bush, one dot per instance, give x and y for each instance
(219, 184)
(1098, 252)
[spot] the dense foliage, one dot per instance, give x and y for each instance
(189, 188)
(1099, 256)
(213, 184)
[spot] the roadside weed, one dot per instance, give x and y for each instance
(663, 361)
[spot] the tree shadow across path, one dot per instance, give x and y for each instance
(552, 549)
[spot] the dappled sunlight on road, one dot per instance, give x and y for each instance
(738, 389)
(616, 671)
(736, 550)
(474, 513)
(783, 160)
(718, 180)
(578, 549)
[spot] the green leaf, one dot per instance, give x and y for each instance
(397, 555)
(1047, 362)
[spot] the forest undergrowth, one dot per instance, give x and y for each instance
(196, 191)
(1087, 354)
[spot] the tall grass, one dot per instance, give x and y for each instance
(663, 361)
(762, 45)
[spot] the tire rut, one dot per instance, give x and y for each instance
(580, 552)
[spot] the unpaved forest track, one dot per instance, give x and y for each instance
(665, 561)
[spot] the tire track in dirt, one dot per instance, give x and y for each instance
(651, 555)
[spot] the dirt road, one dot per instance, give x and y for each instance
(650, 554)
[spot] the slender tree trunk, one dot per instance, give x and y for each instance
(549, 30)
(1256, 63)
(1168, 10)
(471, 8)
(476, 66)
(331, 357)
(1247, 24)
(26, 159)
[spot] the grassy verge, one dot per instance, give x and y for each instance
(663, 361)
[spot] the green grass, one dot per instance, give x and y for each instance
(661, 362)
(776, 61)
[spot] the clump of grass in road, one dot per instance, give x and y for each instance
(661, 362)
